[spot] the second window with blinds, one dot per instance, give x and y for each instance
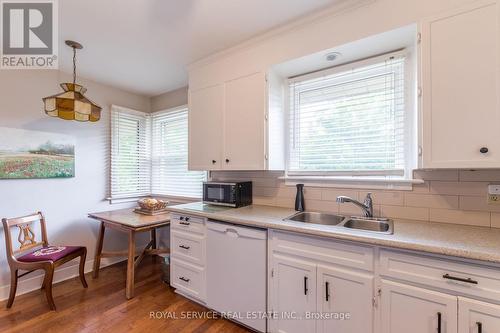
(170, 175)
(149, 155)
(353, 120)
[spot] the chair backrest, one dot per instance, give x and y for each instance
(26, 236)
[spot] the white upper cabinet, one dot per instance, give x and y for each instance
(245, 123)
(229, 125)
(460, 54)
(206, 107)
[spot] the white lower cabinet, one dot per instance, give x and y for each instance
(410, 309)
(294, 294)
(312, 295)
(347, 296)
(477, 317)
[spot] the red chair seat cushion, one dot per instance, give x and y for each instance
(52, 253)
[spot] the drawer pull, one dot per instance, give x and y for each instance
(467, 280)
(184, 223)
(479, 327)
(439, 322)
(327, 291)
(184, 247)
(305, 285)
(184, 279)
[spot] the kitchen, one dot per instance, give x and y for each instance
(335, 172)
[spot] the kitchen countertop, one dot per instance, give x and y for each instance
(470, 242)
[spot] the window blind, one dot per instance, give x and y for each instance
(170, 156)
(130, 153)
(350, 121)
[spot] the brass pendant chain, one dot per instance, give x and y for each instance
(74, 65)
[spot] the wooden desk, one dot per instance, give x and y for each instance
(125, 220)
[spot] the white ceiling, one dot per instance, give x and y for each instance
(143, 46)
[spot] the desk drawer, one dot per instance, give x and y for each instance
(188, 246)
(188, 223)
(188, 278)
(461, 277)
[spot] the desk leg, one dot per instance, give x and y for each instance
(98, 251)
(153, 239)
(129, 292)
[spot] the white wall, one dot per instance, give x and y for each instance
(169, 99)
(65, 202)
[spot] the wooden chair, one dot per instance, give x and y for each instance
(33, 255)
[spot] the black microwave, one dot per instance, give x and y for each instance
(225, 193)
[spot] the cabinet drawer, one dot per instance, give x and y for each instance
(323, 249)
(188, 278)
(189, 247)
(188, 223)
(461, 277)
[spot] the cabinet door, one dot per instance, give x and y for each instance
(245, 123)
(206, 107)
(410, 309)
(477, 317)
(294, 294)
(460, 53)
(348, 295)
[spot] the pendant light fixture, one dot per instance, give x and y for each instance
(72, 104)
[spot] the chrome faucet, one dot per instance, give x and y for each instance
(366, 206)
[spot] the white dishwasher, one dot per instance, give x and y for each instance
(236, 272)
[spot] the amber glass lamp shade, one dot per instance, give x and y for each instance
(72, 104)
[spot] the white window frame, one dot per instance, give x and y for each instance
(149, 147)
(153, 157)
(146, 159)
(363, 179)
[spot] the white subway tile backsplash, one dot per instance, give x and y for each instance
(400, 212)
(431, 200)
(331, 194)
(458, 188)
(449, 196)
(480, 176)
(385, 197)
(477, 203)
(460, 217)
(445, 175)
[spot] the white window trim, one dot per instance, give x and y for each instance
(360, 179)
(125, 199)
(179, 199)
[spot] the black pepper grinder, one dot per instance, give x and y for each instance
(299, 198)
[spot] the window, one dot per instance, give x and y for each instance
(352, 120)
(149, 155)
(170, 156)
(130, 153)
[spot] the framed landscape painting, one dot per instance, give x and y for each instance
(26, 154)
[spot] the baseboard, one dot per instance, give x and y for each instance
(64, 273)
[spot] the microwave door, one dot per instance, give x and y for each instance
(215, 193)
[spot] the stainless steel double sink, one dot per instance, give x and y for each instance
(370, 224)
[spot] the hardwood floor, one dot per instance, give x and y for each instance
(103, 307)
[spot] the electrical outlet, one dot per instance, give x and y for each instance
(493, 194)
(493, 199)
